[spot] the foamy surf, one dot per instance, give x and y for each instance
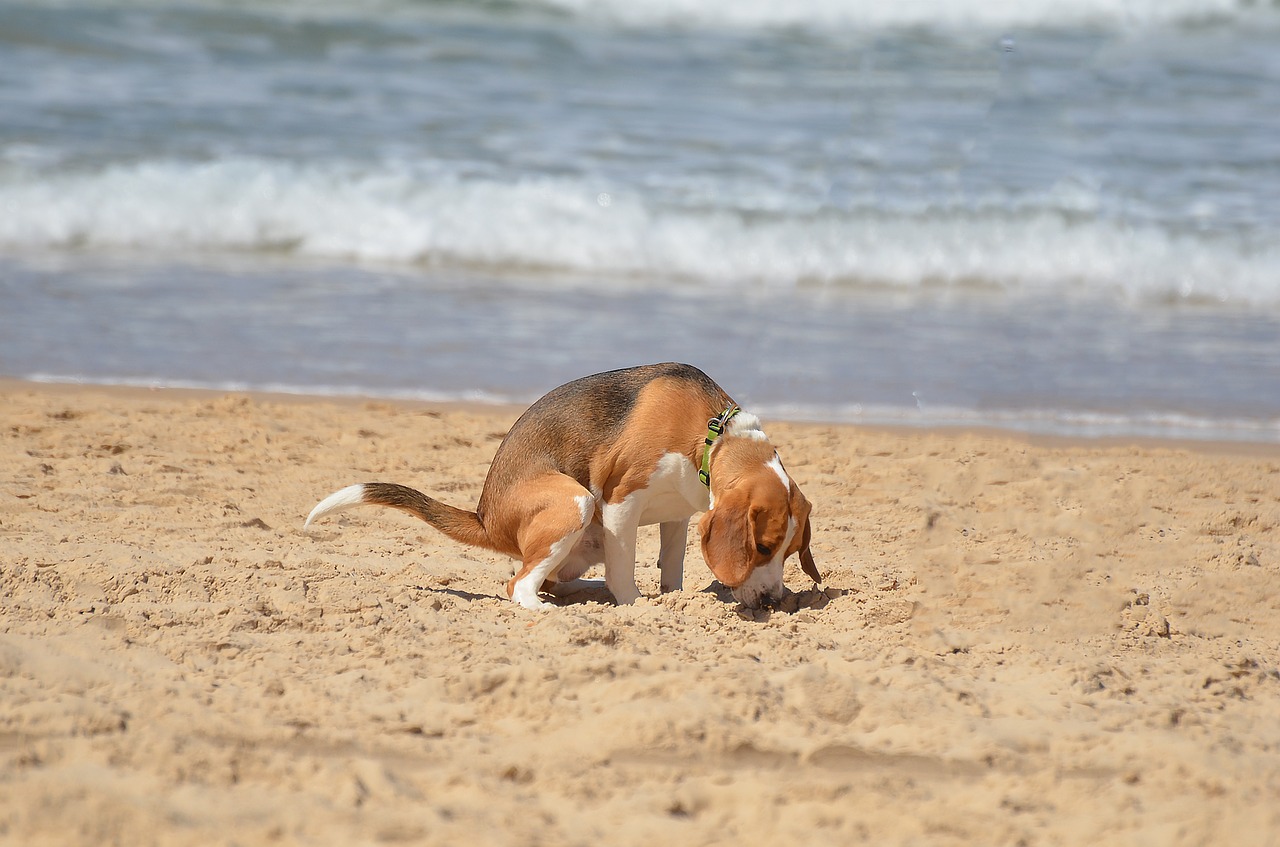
(1054, 243)
(819, 16)
(861, 14)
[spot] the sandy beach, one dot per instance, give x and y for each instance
(1017, 641)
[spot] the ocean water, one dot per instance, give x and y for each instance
(1054, 215)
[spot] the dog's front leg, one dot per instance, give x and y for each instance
(620, 523)
(671, 554)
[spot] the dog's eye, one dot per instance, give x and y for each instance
(763, 550)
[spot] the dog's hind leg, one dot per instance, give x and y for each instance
(524, 586)
(561, 512)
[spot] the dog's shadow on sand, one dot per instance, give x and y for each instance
(594, 591)
(814, 597)
(469, 596)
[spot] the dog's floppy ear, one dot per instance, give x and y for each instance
(806, 558)
(728, 540)
(800, 510)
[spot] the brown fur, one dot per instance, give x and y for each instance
(458, 524)
(668, 415)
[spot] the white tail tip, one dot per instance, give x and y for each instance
(338, 501)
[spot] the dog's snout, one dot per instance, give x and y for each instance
(763, 589)
(768, 601)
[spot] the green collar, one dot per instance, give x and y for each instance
(715, 427)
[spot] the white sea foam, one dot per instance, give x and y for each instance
(816, 15)
(393, 215)
(862, 14)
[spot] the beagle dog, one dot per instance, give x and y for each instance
(598, 457)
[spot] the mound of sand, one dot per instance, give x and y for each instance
(1016, 642)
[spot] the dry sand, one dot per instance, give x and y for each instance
(1021, 642)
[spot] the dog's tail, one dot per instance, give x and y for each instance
(459, 524)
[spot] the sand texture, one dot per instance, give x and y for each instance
(1019, 642)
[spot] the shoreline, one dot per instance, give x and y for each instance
(1226, 447)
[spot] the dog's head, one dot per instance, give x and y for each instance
(758, 520)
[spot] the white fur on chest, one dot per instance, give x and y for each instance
(674, 492)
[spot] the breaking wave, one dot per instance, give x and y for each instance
(1056, 244)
